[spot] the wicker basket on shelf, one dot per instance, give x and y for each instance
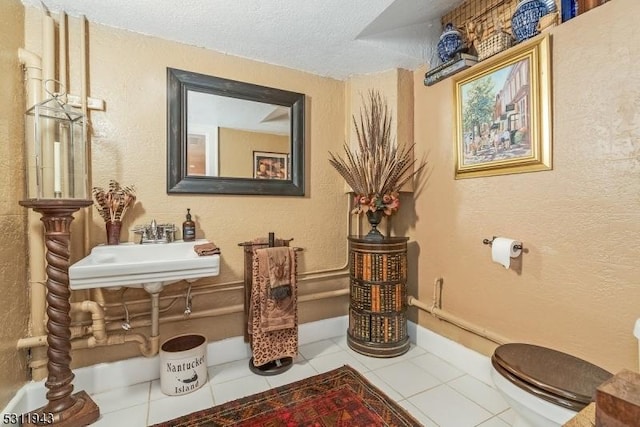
(548, 21)
(493, 44)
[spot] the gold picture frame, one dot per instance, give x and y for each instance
(503, 113)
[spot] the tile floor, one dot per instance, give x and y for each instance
(432, 390)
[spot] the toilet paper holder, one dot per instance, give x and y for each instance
(490, 242)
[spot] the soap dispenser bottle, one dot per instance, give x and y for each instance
(188, 228)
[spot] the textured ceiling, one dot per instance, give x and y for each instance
(335, 38)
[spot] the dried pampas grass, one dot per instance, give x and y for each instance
(377, 167)
(113, 203)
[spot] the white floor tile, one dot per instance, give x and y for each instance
(175, 406)
(494, 422)
(485, 396)
(238, 388)
(508, 416)
(414, 351)
(335, 360)
(437, 367)
(341, 341)
(435, 392)
(134, 416)
(407, 378)
(319, 348)
(417, 414)
(378, 362)
(121, 398)
(299, 371)
(448, 408)
(373, 363)
(383, 386)
(155, 393)
(229, 371)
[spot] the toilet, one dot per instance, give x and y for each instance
(544, 387)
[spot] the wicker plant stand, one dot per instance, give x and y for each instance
(378, 295)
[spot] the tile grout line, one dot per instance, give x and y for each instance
(366, 369)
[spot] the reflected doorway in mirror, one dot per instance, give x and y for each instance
(196, 155)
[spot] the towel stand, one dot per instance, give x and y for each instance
(280, 365)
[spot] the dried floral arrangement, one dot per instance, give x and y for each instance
(114, 203)
(377, 169)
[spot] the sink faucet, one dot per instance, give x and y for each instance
(154, 230)
(155, 233)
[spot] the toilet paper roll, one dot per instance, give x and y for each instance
(503, 249)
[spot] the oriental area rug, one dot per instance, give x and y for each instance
(341, 397)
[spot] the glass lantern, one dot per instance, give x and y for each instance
(56, 151)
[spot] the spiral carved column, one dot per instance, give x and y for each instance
(64, 408)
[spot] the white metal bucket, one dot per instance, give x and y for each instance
(183, 364)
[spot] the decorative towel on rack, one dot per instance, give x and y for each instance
(273, 323)
(262, 242)
(279, 261)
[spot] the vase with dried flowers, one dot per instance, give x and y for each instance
(376, 169)
(112, 205)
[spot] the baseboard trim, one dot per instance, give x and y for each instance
(106, 376)
(473, 363)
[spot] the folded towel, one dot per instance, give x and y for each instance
(276, 275)
(279, 265)
(273, 324)
(279, 291)
(205, 249)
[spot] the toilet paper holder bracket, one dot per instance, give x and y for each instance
(490, 242)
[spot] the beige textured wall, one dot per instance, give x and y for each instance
(13, 253)
(128, 71)
(396, 86)
(577, 289)
(578, 286)
(236, 149)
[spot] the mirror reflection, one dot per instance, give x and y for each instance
(230, 137)
(237, 138)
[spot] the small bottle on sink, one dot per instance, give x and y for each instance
(188, 228)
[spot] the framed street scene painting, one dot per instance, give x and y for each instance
(503, 113)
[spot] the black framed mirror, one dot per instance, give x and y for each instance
(231, 137)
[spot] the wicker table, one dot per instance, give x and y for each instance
(378, 296)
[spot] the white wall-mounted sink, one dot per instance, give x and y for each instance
(149, 266)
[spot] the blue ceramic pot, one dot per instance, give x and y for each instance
(524, 22)
(551, 5)
(450, 43)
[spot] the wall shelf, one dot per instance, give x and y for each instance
(462, 61)
(486, 14)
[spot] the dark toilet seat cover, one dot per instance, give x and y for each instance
(553, 373)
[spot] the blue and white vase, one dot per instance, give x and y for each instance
(524, 22)
(551, 5)
(450, 43)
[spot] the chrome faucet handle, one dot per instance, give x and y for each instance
(168, 234)
(154, 229)
(156, 233)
